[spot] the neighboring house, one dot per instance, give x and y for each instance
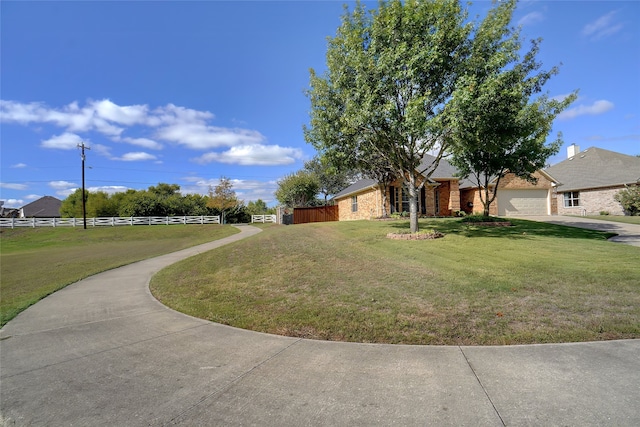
(44, 207)
(589, 180)
(445, 194)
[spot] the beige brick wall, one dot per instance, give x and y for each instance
(592, 202)
(512, 182)
(369, 202)
(473, 195)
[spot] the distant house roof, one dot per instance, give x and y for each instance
(44, 207)
(596, 168)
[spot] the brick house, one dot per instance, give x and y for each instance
(445, 194)
(589, 179)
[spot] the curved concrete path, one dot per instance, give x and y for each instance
(104, 352)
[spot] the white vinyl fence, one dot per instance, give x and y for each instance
(114, 221)
(263, 218)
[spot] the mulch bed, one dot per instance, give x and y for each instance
(491, 224)
(415, 236)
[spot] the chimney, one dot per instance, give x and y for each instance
(572, 150)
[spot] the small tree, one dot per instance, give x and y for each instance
(298, 189)
(331, 180)
(496, 126)
(629, 198)
(223, 198)
(259, 207)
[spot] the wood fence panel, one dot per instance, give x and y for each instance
(315, 214)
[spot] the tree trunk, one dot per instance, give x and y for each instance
(485, 202)
(384, 201)
(413, 204)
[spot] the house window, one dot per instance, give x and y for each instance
(437, 201)
(354, 203)
(405, 199)
(399, 199)
(571, 199)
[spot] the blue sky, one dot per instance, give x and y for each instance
(188, 92)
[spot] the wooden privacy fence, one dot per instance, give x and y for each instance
(315, 214)
(113, 221)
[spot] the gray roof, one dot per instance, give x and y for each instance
(44, 207)
(596, 168)
(444, 171)
(357, 187)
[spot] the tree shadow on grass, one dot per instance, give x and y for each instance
(519, 229)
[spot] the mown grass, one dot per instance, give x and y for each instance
(616, 218)
(35, 262)
(530, 283)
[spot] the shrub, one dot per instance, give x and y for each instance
(629, 198)
(604, 212)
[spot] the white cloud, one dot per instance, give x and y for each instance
(171, 114)
(13, 203)
(143, 142)
(125, 115)
(66, 193)
(598, 107)
(62, 185)
(102, 150)
(19, 166)
(66, 141)
(136, 157)
(261, 155)
(531, 19)
(602, 27)
(199, 136)
(174, 124)
(20, 113)
(13, 186)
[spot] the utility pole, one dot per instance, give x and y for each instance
(84, 206)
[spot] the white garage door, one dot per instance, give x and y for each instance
(522, 202)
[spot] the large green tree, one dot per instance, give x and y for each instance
(389, 75)
(497, 126)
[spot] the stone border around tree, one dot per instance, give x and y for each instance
(415, 236)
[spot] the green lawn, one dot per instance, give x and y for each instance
(530, 283)
(34, 262)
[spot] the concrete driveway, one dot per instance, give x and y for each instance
(626, 233)
(104, 352)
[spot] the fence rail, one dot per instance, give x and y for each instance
(264, 218)
(108, 221)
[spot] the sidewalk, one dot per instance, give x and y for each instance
(104, 352)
